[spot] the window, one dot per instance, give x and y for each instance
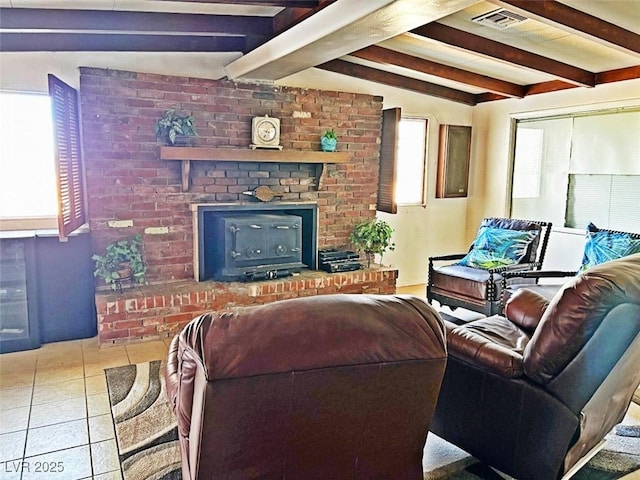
(27, 169)
(402, 161)
(412, 143)
(41, 173)
(576, 169)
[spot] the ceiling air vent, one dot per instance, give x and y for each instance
(499, 19)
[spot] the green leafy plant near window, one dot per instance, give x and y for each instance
(123, 260)
(173, 125)
(373, 236)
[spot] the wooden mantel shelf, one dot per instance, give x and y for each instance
(214, 154)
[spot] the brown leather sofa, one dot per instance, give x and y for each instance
(533, 392)
(326, 387)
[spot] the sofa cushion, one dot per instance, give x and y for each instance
(496, 247)
(603, 246)
(494, 344)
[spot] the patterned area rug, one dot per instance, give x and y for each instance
(146, 431)
(148, 442)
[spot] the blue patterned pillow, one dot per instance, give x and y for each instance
(498, 247)
(602, 246)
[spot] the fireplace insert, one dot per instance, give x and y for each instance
(249, 246)
(225, 252)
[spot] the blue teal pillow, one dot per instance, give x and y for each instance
(498, 247)
(602, 246)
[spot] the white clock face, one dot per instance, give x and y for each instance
(266, 131)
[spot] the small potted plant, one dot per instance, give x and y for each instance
(175, 128)
(373, 236)
(123, 261)
(328, 141)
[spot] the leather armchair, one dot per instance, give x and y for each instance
(333, 386)
(534, 392)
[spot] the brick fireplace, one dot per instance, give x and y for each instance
(131, 190)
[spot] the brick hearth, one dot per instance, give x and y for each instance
(160, 311)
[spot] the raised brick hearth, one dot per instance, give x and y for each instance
(160, 311)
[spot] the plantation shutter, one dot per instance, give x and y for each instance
(388, 158)
(68, 156)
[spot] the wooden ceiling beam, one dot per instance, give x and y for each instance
(575, 21)
(610, 76)
(50, 20)
(289, 17)
(398, 81)
(618, 75)
(390, 57)
(260, 3)
(88, 42)
(500, 51)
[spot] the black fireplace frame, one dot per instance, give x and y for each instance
(308, 211)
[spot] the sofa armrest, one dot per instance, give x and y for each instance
(525, 308)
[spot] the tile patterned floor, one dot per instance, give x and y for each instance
(54, 410)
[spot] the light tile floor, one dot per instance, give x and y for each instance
(55, 421)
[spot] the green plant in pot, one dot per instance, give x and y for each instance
(328, 141)
(373, 236)
(123, 261)
(174, 128)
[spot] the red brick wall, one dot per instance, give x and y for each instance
(126, 181)
(161, 311)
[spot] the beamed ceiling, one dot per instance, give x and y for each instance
(436, 48)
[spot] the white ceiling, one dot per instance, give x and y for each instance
(338, 30)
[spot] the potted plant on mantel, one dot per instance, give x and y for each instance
(373, 236)
(328, 141)
(122, 262)
(175, 128)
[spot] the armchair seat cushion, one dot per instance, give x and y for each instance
(493, 344)
(464, 281)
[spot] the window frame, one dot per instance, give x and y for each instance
(387, 173)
